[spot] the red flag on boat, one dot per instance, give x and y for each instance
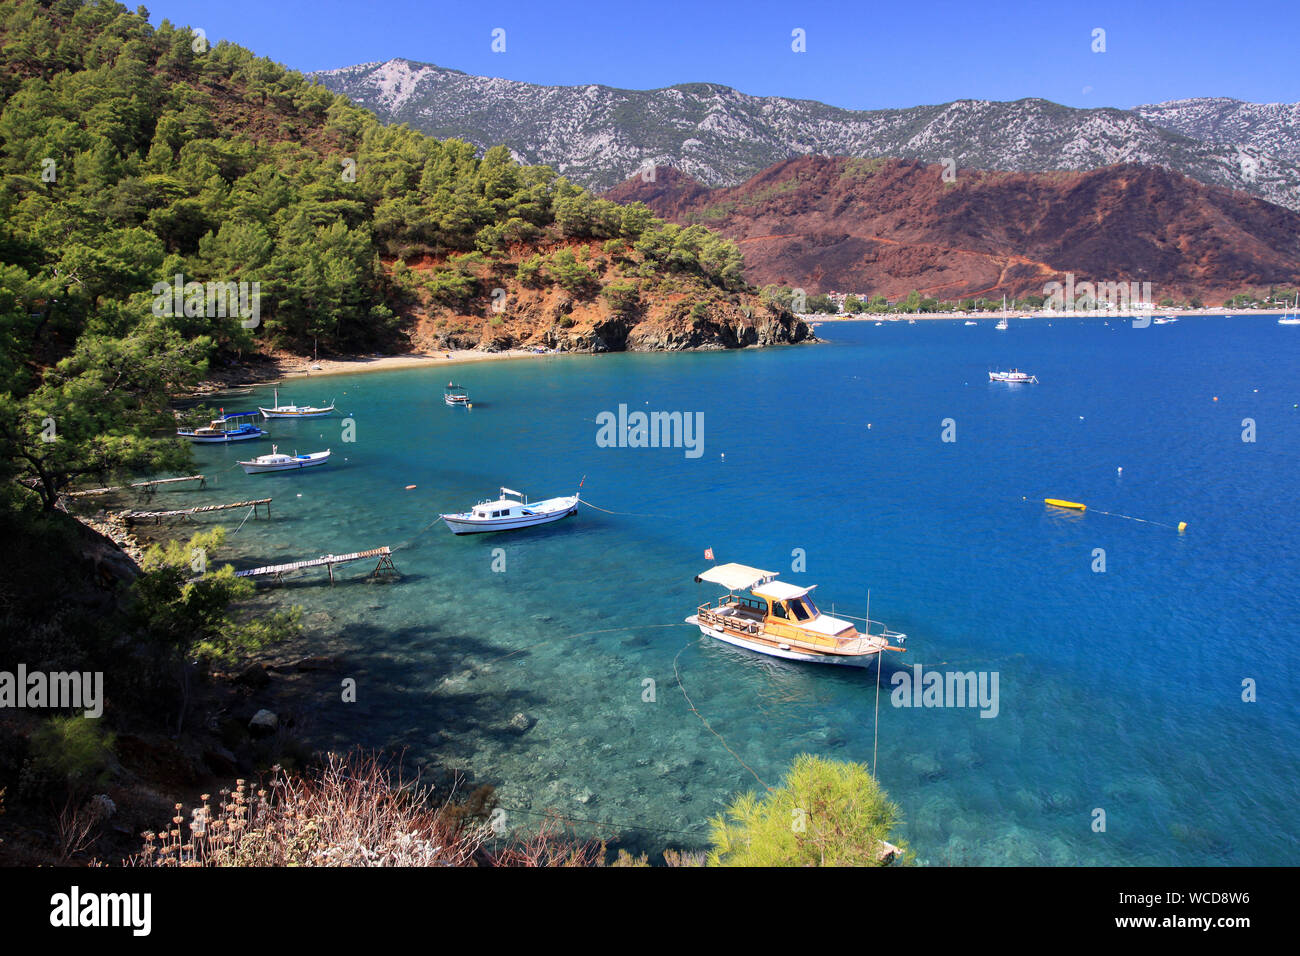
(708, 554)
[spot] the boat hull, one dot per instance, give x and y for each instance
(254, 469)
(268, 413)
(790, 654)
(223, 439)
(460, 524)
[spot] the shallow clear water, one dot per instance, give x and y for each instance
(1119, 691)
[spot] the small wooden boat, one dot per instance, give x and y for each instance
(1015, 376)
(278, 462)
(225, 429)
(1164, 319)
(781, 620)
(510, 511)
(296, 411)
(455, 395)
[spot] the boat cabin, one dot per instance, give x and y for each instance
(776, 609)
(504, 507)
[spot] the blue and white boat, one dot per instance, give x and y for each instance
(227, 428)
(278, 462)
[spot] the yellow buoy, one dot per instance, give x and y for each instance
(1182, 526)
(1059, 503)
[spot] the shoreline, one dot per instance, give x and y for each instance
(307, 368)
(1024, 314)
(262, 370)
(268, 370)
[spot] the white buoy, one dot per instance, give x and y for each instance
(1119, 470)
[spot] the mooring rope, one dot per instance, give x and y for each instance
(247, 516)
(1131, 518)
(626, 514)
(691, 704)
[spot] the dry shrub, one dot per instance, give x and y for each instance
(550, 845)
(355, 812)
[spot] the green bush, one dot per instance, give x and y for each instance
(68, 755)
(824, 813)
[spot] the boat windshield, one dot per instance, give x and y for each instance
(803, 609)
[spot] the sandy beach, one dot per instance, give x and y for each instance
(298, 367)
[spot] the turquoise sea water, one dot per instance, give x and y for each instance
(1119, 691)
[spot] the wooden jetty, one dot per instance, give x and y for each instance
(384, 554)
(148, 485)
(157, 516)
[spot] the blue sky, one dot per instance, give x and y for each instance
(861, 55)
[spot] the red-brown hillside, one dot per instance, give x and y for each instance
(890, 226)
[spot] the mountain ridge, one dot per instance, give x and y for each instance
(888, 227)
(597, 135)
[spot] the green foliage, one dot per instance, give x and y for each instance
(824, 813)
(127, 158)
(566, 271)
(68, 755)
(183, 602)
(623, 297)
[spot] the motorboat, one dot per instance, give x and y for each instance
(456, 395)
(278, 462)
(782, 620)
(225, 429)
(296, 411)
(509, 511)
(1013, 375)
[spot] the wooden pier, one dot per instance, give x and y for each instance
(149, 486)
(133, 516)
(384, 554)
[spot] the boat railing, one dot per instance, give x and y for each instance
(710, 615)
(887, 632)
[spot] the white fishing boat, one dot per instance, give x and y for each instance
(510, 511)
(1013, 375)
(225, 429)
(971, 322)
(296, 411)
(278, 462)
(1164, 319)
(456, 395)
(1290, 319)
(781, 620)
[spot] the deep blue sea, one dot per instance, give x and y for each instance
(1119, 690)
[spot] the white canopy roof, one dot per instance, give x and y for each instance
(736, 577)
(780, 591)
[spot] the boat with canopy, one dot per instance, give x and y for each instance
(226, 428)
(782, 620)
